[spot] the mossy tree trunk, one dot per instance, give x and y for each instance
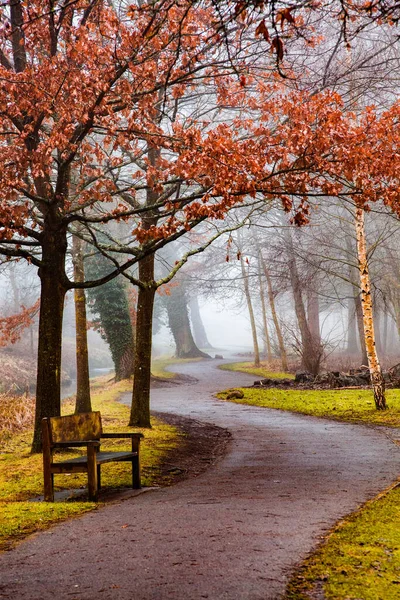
(83, 401)
(375, 370)
(53, 289)
(140, 408)
(109, 305)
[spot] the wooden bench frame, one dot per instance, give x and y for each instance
(83, 430)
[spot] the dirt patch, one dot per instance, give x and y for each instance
(202, 446)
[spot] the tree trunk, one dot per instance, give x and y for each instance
(311, 351)
(53, 290)
(357, 301)
(178, 319)
(352, 347)
(396, 316)
(251, 314)
(199, 332)
(377, 328)
(271, 298)
(385, 337)
(15, 289)
(267, 340)
(377, 380)
(83, 402)
(140, 409)
(313, 316)
(360, 327)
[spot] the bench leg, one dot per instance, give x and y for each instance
(98, 477)
(48, 477)
(92, 473)
(136, 483)
(48, 485)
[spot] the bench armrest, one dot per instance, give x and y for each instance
(94, 443)
(128, 435)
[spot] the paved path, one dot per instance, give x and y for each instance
(236, 532)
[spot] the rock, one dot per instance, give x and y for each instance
(386, 377)
(303, 377)
(218, 356)
(394, 372)
(262, 382)
(332, 379)
(234, 394)
(364, 376)
(274, 383)
(324, 379)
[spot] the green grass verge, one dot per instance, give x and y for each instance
(263, 371)
(360, 560)
(159, 366)
(345, 405)
(21, 475)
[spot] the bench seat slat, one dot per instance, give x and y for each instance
(101, 458)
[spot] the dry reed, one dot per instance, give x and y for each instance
(16, 415)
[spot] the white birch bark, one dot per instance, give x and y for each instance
(375, 370)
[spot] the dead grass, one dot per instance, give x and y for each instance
(17, 373)
(17, 413)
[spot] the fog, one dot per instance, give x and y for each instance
(229, 298)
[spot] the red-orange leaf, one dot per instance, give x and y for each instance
(263, 30)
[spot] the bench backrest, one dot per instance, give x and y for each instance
(75, 428)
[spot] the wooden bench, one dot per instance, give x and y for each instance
(83, 430)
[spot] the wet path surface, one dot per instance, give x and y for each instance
(236, 532)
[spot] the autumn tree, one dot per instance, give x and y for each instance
(79, 83)
(85, 85)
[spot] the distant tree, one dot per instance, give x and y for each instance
(177, 306)
(244, 267)
(112, 317)
(199, 331)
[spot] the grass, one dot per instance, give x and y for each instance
(159, 366)
(21, 476)
(360, 559)
(353, 405)
(263, 371)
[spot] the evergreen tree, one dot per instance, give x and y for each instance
(109, 306)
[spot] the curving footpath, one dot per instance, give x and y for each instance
(236, 532)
